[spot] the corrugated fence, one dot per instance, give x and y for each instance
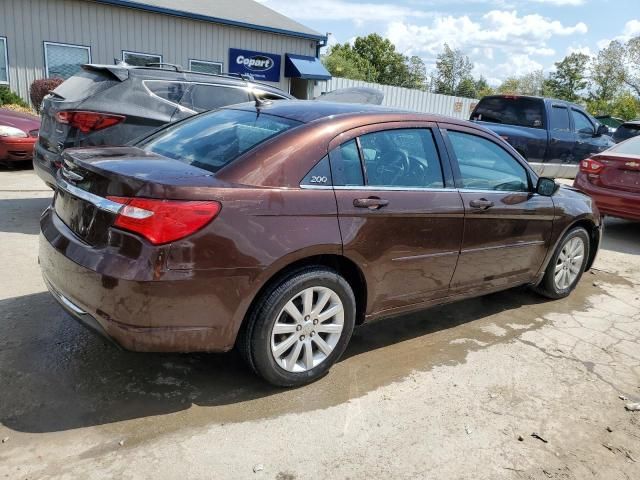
(408, 98)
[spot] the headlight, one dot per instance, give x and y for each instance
(11, 132)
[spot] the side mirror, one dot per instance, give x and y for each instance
(546, 187)
(602, 130)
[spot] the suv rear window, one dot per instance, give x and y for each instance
(214, 139)
(85, 84)
(520, 111)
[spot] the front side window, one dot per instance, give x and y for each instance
(401, 158)
(486, 166)
(560, 119)
(213, 140)
(4, 63)
(202, 66)
(64, 61)
(137, 59)
(201, 97)
(581, 122)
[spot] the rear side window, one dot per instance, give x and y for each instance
(401, 158)
(170, 91)
(524, 112)
(202, 97)
(213, 140)
(560, 119)
(319, 175)
(486, 166)
(626, 131)
(85, 84)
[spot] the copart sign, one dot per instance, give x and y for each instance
(261, 66)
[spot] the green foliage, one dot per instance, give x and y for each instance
(625, 106)
(533, 83)
(607, 72)
(7, 97)
(342, 61)
(632, 64)
(569, 79)
(483, 89)
(452, 68)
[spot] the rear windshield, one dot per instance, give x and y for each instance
(630, 147)
(214, 139)
(523, 112)
(626, 131)
(85, 84)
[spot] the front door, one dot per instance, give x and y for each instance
(507, 227)
(396, 217)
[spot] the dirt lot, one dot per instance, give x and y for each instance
(451, 393)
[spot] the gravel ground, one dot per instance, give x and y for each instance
(454, 392)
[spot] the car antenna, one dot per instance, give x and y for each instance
(259, 102)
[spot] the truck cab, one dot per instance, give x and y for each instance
(552, 135)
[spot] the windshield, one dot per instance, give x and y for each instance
(214, 139)
(630, 147)
(520, 111)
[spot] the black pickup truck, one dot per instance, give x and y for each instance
(553, 135)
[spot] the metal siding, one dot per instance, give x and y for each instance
(108, 30)
(407, 98)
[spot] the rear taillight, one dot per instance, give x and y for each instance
(88, 121)
(591, 166)
(164, 221)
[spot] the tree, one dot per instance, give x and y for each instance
(452, 67)
(375, 59)
(483, 88)
(342, 61)
(510, 86)
(466, 88)
(632, 63)
(569, 79)
(607, 72)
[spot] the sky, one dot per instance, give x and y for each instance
(501, 37)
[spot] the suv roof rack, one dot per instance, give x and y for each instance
(177, 68)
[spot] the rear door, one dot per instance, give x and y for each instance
(399, 215)
(507, 226)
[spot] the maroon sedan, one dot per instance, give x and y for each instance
(277, 228)
(612, 178)
(18, 134)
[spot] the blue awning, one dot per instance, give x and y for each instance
(301, 66)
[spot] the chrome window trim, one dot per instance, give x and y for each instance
(409, 189)
(102, 203)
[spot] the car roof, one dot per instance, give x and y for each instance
(307, 111)
(631, 122)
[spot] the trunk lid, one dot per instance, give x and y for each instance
(621, 172)
(89, 175)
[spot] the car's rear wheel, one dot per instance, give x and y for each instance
(567, 265)
(300, 327)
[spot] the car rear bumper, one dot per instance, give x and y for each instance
(44, 164)
(16, 149)
(616, 203)
(183, 311)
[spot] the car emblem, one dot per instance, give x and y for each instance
(69, 175)
(632, 164)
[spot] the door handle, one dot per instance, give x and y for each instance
(372, 203)
(481, 203)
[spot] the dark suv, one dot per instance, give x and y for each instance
(115, 104)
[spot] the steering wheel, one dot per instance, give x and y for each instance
(394, 166)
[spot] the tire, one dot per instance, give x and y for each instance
(282, 359)
(554, 285)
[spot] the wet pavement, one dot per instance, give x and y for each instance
(66, 390)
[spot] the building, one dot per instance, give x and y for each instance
(52, 38)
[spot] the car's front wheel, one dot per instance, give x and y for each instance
(300, 327)
(567, 265)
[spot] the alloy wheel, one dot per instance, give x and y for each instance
(307, 329)
(569, 263)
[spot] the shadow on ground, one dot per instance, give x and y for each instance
(58, 376)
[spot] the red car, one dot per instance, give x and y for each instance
(18, 134)
(612, 178)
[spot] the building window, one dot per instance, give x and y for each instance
(203, 66)
(63, 61)
(4, 63)
(137, 59)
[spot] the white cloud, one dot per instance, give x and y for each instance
(562, 3)
(504, 30)
(631, 29)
